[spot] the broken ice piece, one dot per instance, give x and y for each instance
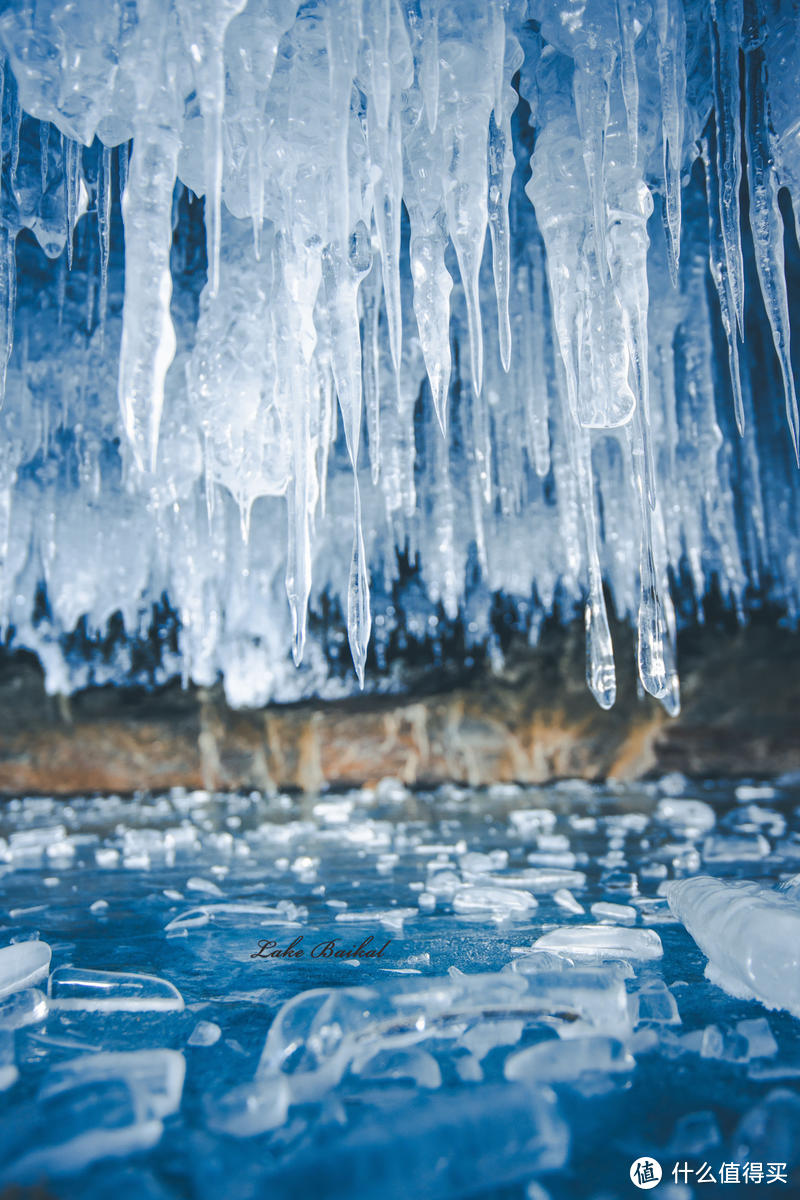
(250, 1108)
(691, 817)
(105, 1105)
(8, 1068)
(760, 1041)
(26, 1007)
(22, 964)
(623, 913)
(749, 933)
(654, 1004)
(205, 1033)
(602, 941)
(155, 1078)
(111, 991)
(565, 899)
(237, 915)
(498, 902)
(555, 1061)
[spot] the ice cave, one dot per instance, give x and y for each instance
(399, 599)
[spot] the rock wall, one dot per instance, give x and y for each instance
(532, 722)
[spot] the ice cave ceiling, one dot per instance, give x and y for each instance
(351, 320)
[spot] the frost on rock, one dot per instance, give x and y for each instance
(461, 314)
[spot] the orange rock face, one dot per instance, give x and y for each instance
(533, 722)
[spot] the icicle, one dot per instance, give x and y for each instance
(2, 99)
(204, 23)
(654, 652)
(104, 228)
(671, 31)
(725, 33)
(359, 617)
(8, 287)
(722, 282)
(370, 304)
(591, 90)
(342, 280)
(15, 116)
(148, 338)
(532, 348)
(629, 76)
(72, 173)
(429, 66)
(123, 162)
(500, 170)
(298, 559)
(44, 150)
(431, 279)
(600, 671)
(387, 152)
(767, 226)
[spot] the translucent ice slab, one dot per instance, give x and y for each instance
(23, 964)
(749, 933)
(602, 941)
(111, 991)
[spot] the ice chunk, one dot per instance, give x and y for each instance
(690, 816)
(22, 965)
(564, 1062)
(106, 1105)
(155, 1078)
(749, 933)
(25, 1007)
(614, 913)
(760, 1040)
(205, 1033)
(111, 991)
(237, 915)
(497, 902)
(602, 941)
(654, 1003)
(8, 1067)
(565, 899)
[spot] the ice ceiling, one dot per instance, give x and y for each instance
(482, 300)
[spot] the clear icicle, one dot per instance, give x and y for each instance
(722, 282)
(204, 23)
(8, 287)
(671, 31)
(431, 280)
(600, 671)
(104, 227)
(767, 226)
(359, 617)
(429, 65)
(71, 171)
(725, 34)
(44, 150)
(387, 150)
(591, 90)
(148, 336)
(370, 305)
(629, 75)
(342, 280)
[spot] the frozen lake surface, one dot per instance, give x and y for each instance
(389, 994)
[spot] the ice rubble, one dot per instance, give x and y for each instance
(547, 412)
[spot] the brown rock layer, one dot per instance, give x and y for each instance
(533, 722)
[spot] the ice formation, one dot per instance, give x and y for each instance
(750, 934)
(484, 301)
